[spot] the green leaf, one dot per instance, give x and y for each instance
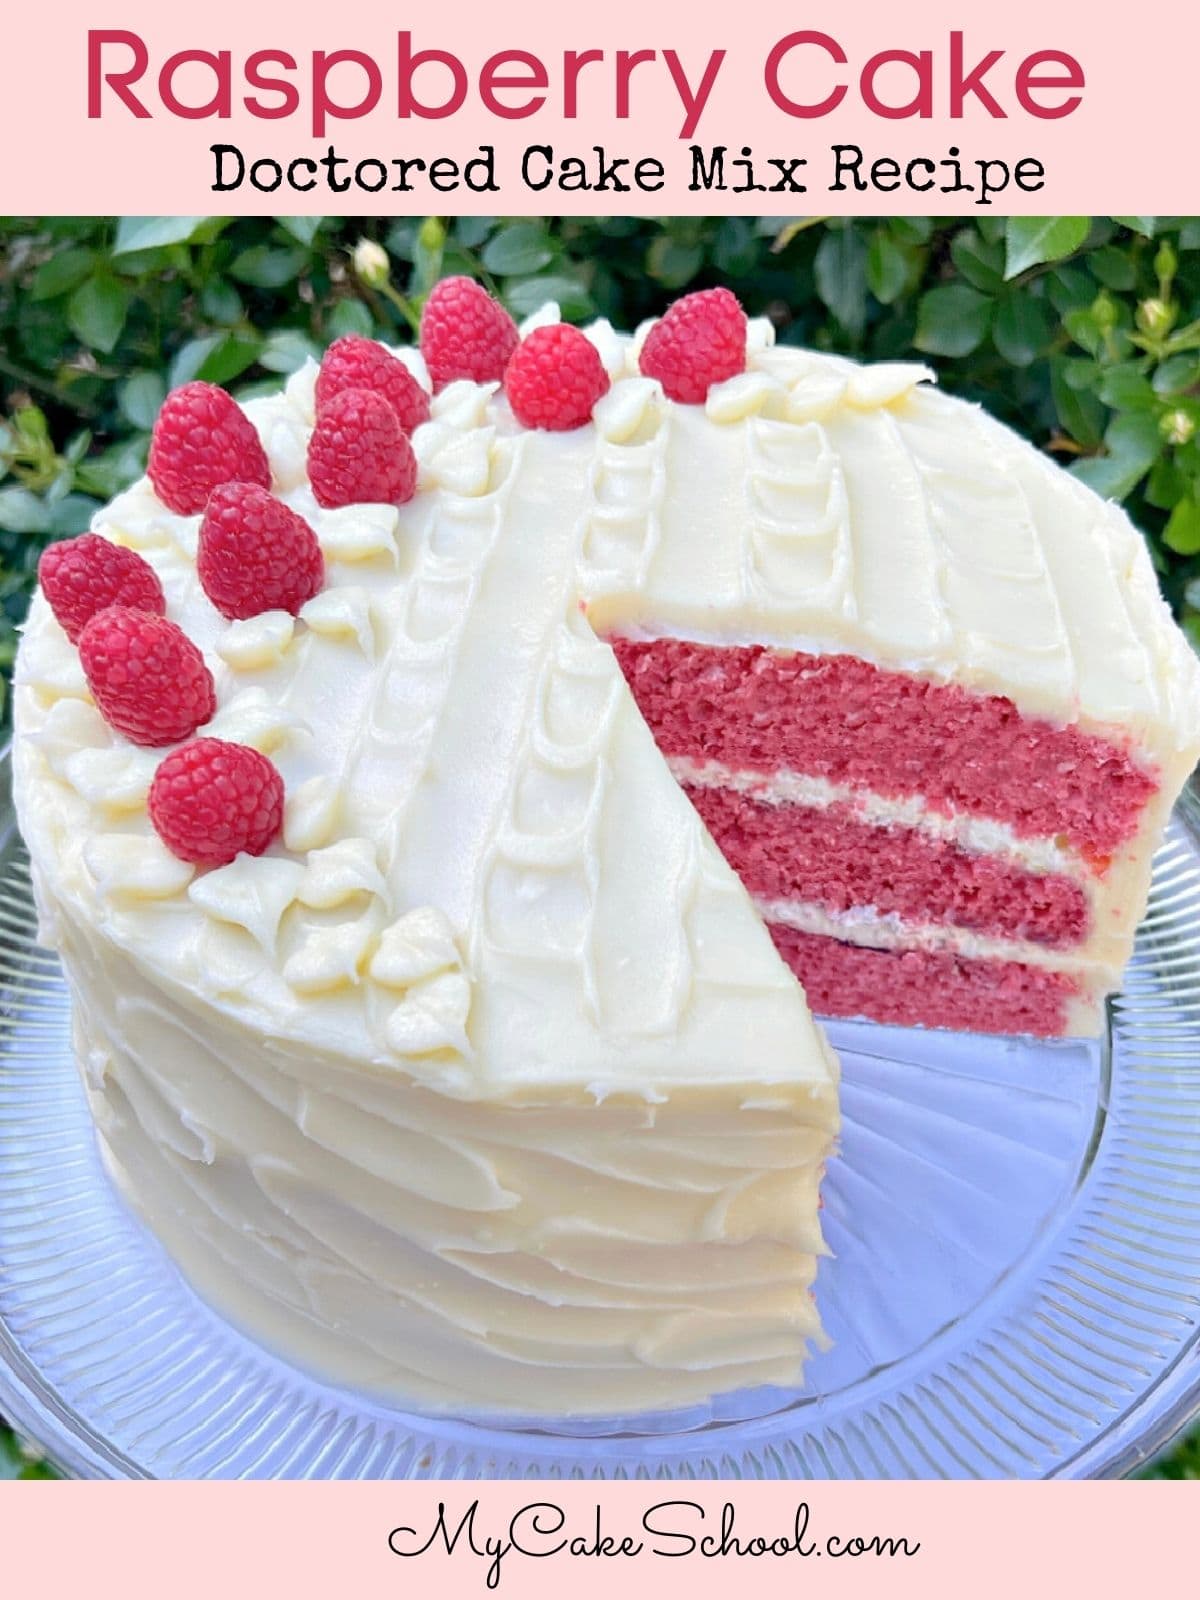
(72, 514)
(524, 296)
(991, 227)
(140, 396)
(888, 264)
(1166, 485)
(518, 250)
(1081, 324)
(911, 230)
(63, 271)
(350, 316)
(952, 320)
(1177, 374)
(215, 359)
(1182, 532)
(672, 262)
(302, 229)
(1081, 373)
(1114, 268)
(840, 274)
(230, 358)
(1022, 328)
(221, 302)
(1080, 413)
(1133, 443)
(77, 448)
(114, 469)
(980, 263)
(735, 250)
(189, 358)
(1125, 387)
(470, 232)
(1187, 338)
(151, 263)
(22, 511)
(1069, 289)
(1142, 225)
(31, 424)
(265, 267)
(287, 349)
(149, 233)
(401, 239)
(96, 312)
(1029, 241)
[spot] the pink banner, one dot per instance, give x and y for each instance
(895, 1539)
(933, 107)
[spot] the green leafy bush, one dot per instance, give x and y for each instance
(19, 1461)
(1084, 333)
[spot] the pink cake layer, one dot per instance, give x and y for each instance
(842, 719)
(920, 988)
(831, 858)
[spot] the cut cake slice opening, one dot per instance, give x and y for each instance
(921, 853)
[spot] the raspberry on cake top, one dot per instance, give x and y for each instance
(464, 1063)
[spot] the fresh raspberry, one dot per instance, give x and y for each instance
(354, 363)
(146, 676)
(700, 341)
(256, 554)
(465, 334)
(555, 378)
(81, 576)
(202, 438)
(210, 800)
(358, 452)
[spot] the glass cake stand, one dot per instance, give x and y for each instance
(1014, 1289)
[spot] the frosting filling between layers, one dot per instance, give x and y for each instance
(865, 925)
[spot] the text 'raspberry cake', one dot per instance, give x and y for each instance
(434, 775)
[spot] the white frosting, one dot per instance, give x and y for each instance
(888, 930)
(250, 894)
(979, 835)
(258, 641)
(485, 1087)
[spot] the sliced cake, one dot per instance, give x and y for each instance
(435, 773)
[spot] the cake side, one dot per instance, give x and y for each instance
(545, 1255)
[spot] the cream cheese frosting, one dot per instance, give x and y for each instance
(485, 1087)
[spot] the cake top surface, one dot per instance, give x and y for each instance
(487, 871)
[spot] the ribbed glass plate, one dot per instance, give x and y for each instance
(1014, 1290)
